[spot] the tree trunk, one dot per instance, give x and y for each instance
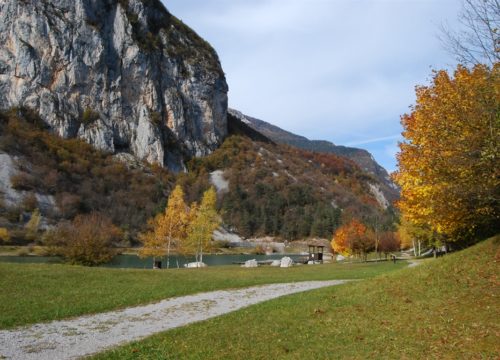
(168, 253)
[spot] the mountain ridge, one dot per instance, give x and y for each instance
(360, 156)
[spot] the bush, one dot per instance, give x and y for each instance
(23, 252)
(89, 116)
(4, 235)
(30, 202)
(23, 181)
(87, 240)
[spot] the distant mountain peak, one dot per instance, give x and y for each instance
(361, 157)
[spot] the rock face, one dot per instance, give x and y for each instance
(125, 75)
(13, 197)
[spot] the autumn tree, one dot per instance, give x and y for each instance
(363, 244)
(4, 235)
(33, 224)
(353, 238)
(388, 242)
(415, 236)
(166, 229)
(448, 164)
(205, 220)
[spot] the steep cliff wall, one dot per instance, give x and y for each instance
(125, 75)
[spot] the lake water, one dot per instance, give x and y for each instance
(134, 262)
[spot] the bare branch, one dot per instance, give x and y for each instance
(479, 40)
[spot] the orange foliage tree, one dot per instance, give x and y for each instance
(448, 164)
(352, 238)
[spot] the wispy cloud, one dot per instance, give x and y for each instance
(374, 140)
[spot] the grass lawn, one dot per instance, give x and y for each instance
(447, 308)
(41, 292)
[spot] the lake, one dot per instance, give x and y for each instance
(134, 262)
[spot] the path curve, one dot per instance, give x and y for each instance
(73, 338)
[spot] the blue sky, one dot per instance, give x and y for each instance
(337, 70)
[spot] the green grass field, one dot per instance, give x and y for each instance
(447, 308)
(36, 293)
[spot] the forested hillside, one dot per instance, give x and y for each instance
(283, 191)
(360, 156)
(272, 189)
(67, 177)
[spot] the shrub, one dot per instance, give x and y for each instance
(156, 118)
(87, 240)
(89, 116)
(23, 252)
(23, 181)
(4, 235)
(30, 202)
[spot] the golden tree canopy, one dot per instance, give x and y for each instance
(448, 164)
(166, 228)
(205, 220)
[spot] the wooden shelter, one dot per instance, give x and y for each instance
(316, 252)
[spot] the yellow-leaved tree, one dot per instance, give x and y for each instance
(204, 220)
(416, 237)
(167, 229)
(4, 235)
(448, 164)
(33, 225)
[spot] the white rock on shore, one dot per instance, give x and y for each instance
(195, 265)
(250, 264)
(286, 262)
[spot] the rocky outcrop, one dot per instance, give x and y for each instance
(9, 195)
(125, 75)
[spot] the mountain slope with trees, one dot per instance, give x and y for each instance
(284, 191)
(273, 190)
(361, 157)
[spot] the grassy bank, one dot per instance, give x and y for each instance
(447, 308)
(40, 292)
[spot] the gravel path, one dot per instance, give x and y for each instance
(413, 263)
(73, 338)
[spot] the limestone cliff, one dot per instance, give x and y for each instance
(125, 75)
